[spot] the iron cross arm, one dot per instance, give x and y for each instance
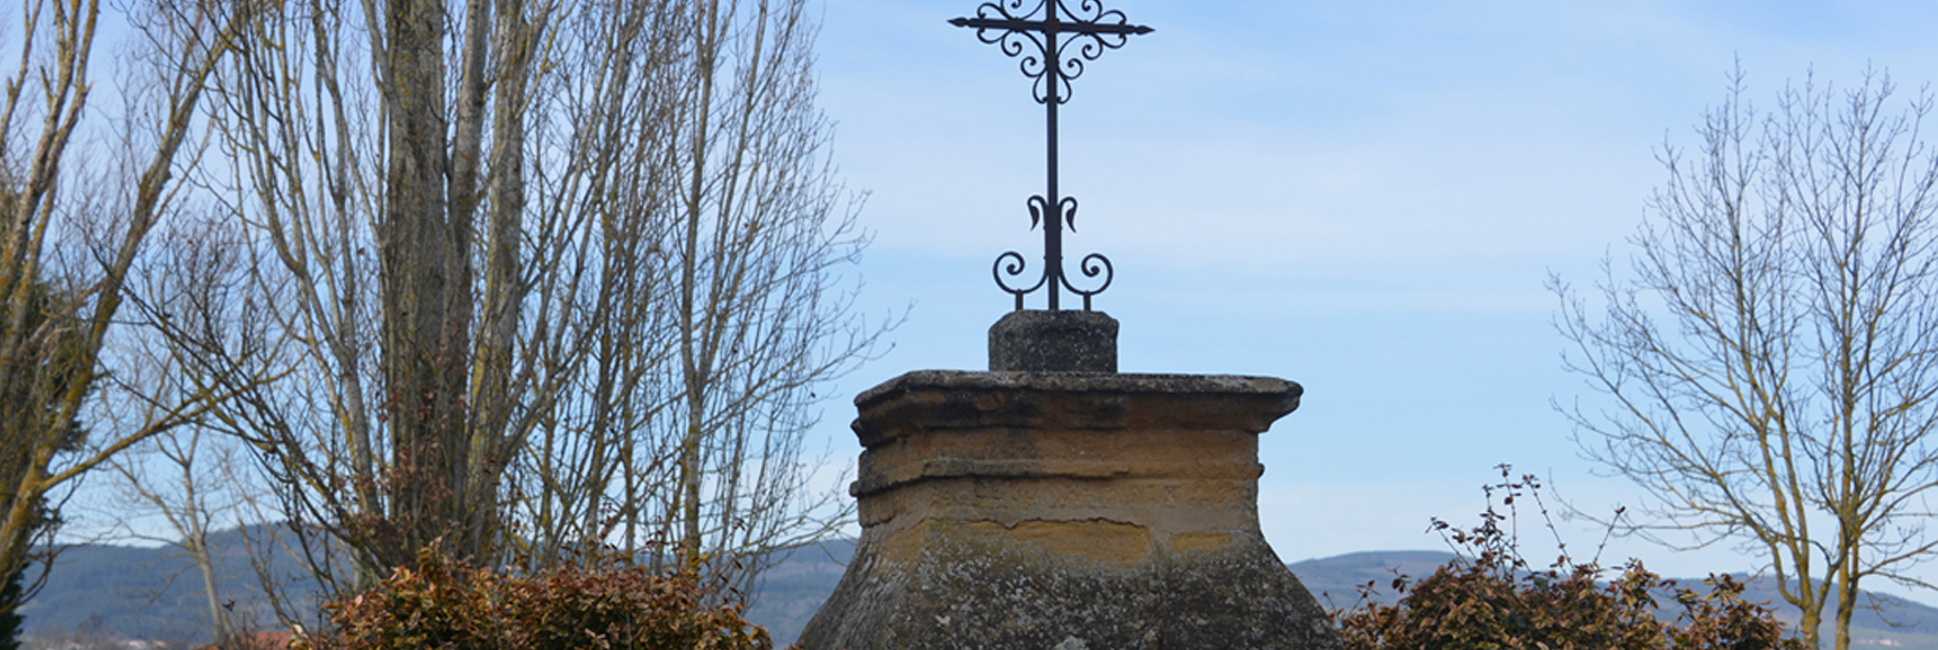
(1060, 26)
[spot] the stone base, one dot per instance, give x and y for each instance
(978, 585)
(1053, 341)
(1054, 511)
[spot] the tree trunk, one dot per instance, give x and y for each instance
(426, 276)
(225, 632)
(492, 434)
(694, 356)
(1847, 595)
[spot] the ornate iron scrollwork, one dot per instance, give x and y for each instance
(1053, 43)
(1023, 34)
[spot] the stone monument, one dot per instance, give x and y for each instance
(1052, 503)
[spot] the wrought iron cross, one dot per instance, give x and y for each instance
(1054, 43)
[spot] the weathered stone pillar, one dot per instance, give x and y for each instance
(1066, 510)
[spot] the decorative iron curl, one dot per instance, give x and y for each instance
(1039, 206)
(1017, 265)
(1010, 9)
(1012, 41)
(1091, 11)
(1047, 56)
(1088, 45)
(1017, 43)
(1093, 265)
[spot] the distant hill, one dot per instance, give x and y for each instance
(790, 593)
(1335, 581)
(154, 593)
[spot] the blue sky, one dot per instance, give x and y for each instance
(1364, 197)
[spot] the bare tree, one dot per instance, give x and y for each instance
(477, 328)
(761, 223)
(1771, 359)
(363, 234)
(191, 507)
(57, 307)
(185, 477)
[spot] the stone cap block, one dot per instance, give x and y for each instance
(931, 400)
(1053, 341)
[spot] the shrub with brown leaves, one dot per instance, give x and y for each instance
(1489, 598)
(446, 604)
